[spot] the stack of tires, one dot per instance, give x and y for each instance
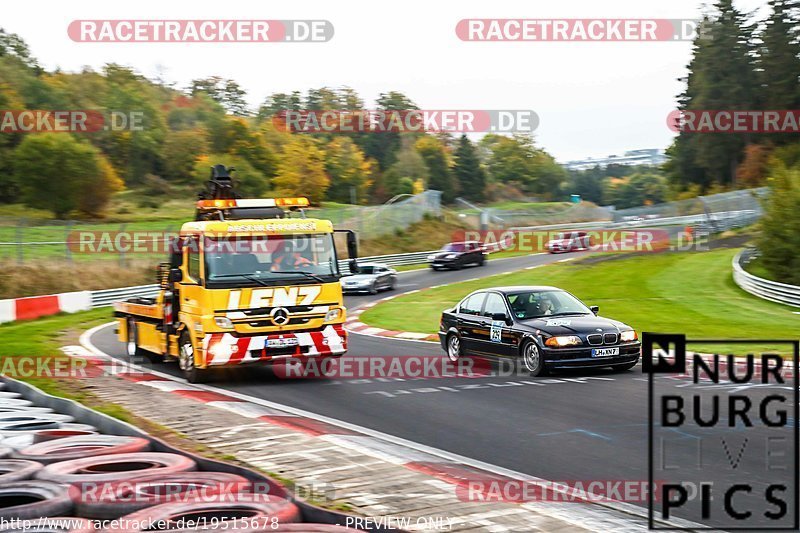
(60, 476)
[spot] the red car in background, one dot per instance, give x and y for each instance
(568, 241)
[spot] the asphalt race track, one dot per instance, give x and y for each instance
(580, 425)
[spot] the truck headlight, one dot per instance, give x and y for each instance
(628, 336)
(223, 322)
(561, 342)
(333, 314)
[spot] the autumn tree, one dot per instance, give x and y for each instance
(181, 150)
(350, 172)
(301, 170)
(61, 174)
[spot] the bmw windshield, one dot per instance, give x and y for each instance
(270, 260)
(540, 304)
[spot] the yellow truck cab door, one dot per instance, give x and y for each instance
(190, 289)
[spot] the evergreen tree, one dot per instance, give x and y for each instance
(468, 171)
(779, 62)
(721, 77)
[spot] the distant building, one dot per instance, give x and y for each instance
(647, 156)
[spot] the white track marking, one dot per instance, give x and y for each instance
(576, 512)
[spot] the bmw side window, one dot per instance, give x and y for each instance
(494, 305)
(472, 305)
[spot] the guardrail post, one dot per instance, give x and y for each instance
(67, 231)
(121, 249)
(19, 236)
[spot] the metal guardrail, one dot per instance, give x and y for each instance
(106, 297)
(763, 288)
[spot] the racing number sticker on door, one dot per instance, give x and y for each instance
(496, 333)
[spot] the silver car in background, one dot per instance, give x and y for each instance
(371, 278)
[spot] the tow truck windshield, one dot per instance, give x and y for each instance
(270, 260)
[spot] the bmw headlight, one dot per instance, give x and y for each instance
(223, 322)
(333, 314)
(628, 336)
(563, 341)
(431, 257)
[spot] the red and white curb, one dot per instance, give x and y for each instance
(354, 325)
(39, 306)
(442, 466)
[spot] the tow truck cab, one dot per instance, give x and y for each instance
(242, 289)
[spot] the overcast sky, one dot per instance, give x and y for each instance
(593, 99)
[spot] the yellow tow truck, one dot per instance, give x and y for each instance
(246, 283)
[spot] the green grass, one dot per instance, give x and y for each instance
(691, 293)
(527, 207)
(43, 338)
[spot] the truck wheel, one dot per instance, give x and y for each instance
(132, 346)
(186, 361)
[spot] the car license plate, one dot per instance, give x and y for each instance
(281, 343)
(604, 352)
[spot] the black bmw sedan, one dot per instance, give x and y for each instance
(543, 327)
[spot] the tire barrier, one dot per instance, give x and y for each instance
(69, 448)
(27, 500)
(115, 467)
(160, 475)
(18, 416)
(61, 524)
(9, 428)
(53, 434)
(7, 402)
(23, 409)
(257, 509)
(18, 469)
(20, 440)
(113, 500)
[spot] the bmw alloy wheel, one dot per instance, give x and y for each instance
(454, 348)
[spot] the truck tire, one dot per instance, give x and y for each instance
(136, 353)
(115, 467)
(113, 500)
(186, 361)
(27, 500)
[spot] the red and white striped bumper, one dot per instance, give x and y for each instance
(228, 349)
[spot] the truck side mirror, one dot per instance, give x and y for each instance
(352, 245)
(175, 275)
